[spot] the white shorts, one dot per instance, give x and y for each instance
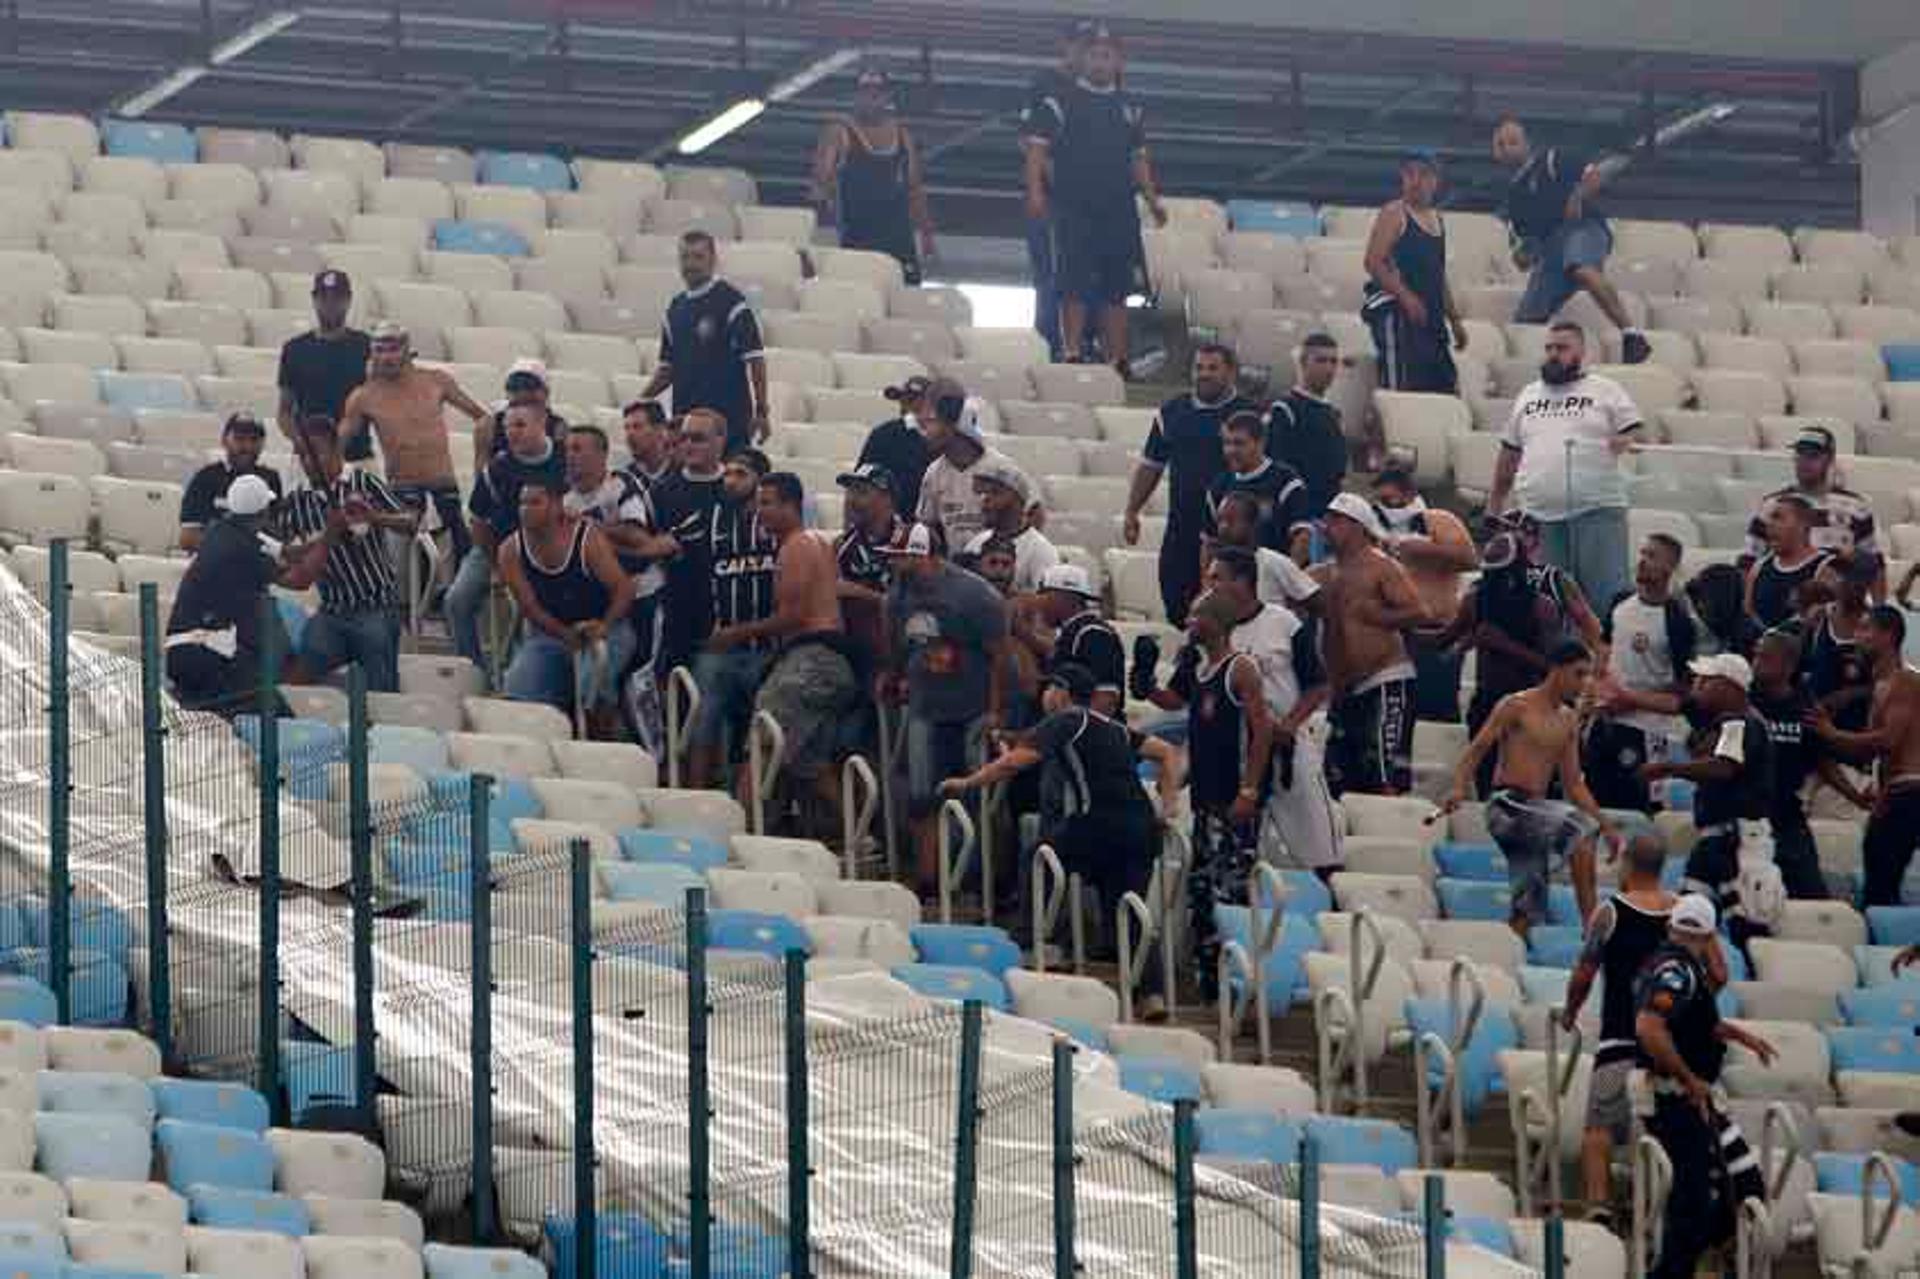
(1300, 828)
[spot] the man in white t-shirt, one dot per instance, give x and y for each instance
(1561, 460)
(948, 502)
(1651, 635)
(1005, 494)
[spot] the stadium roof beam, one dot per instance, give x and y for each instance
(236, 46)
(1399, 101)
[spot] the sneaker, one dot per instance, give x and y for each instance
(1634, 348)
(1600, 1216)
(1908, 1122)
(1153, 1010)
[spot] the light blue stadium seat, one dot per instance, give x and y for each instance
(1307, 893)
(24, 999)
(99, 984)
(1876, 965)
(307, 746)
(525, 169)
(149, 140)
(318, 1076)
(1875, 1048)
(1081, 1032)
(421, 749)
(626, 1245)
(15, 928)
(445, 906)
(739, 1250)
(1479, 1065)
(1165, 1079)
(99, 1272)
(1459, 860)
(456, 235)
(636, 882)
(1231, 1132)
(510, 798)
(1894, 925)
(137, 391)
(226, 1209)
(1563, 907)
(24, 1245)
(957, 982)
(1554, 946)
(1894, 1004)
(1285, 967)
(1543, 985)
(1738, 969)
(1482, 1232)
(1846, 1174)
(108, 1147)
(674, 848)
(86, 1092)
(445, 1261)
(751, 930)
(293, 616)
(1487, 901)
(1377, 1142)
(1276, 217)
(1903, 361)
(92, 924)
(209, 1155)
(966, 945)
(418, 864)
(206, 1101)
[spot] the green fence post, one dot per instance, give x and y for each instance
(360, 834)
(1064, 1160)
(1186, 1231)
(59, 783)
(1309, 1208)
(153, 768)
(266, 705)
(580, 923)
(699, 1105)
(1433, 1220)
(799, 1150)
(1555, 1245)
(480, 933)
(966, 1142)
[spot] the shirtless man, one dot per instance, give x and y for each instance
(1438, 552)
(1537, 733)
(1891, 740)
(403, 403)
(810, 687)
(1369, 601)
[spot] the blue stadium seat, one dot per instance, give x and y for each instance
(24, 999)
(1081, 1032)
(418, 865)
(205, 1101)
(966, 945)
(445, 905)
(209, 1155)
(751, 930)
(1543, 985)
(1894, 925)
(1307, 893)
(1487, 901)
(92, 924)
(1286, 967)
(635, 882)
(625, 1245)
(307, 746)
(249, 1210)
(99, 984)
(86, 1092)
(958, 982)
(1378, 1142)
(107, 1147)
(421, 749)
(525, 169)
(445, 1261)
(674, 848)
(1876, 965)
(1738, 969)
(1903, 361)
(446, 830)
(510, 799)
(24, 1244)
(1458, 860)
(1563, 907)
(1875, 1048)
(1301, 221)
(97, 1272)
(317, 1076)
(1846, 1174)
(1230, 1132)
(1895, 1004)
(456, 235)
(293, 616)
(739, 1251)
(1165, 1079)
(1482, 1232)
(15, 928)
(147, 140)
(137, 391)
(1479, 1065)
(1554, 946)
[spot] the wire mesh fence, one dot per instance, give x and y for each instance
(559, 1043)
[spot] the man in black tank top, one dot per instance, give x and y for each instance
(1626, 929)
(869, 169)
(1790, 563)
(1408, 304)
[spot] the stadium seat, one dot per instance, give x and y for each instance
(249, 1210)
(338, 1165)
(755, 932)
(351, 1257)
(367, 1218)
(208, 1102)
(446, 1261)
(194, 1154)
(1376, 1142)
(109, 1147)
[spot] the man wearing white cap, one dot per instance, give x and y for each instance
(1073, 630)
(1369, 601)
(1005, 495)
(1682, 1045)
(527, 384)
(949, 504)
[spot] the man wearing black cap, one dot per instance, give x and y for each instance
(869, 168)
(526, 384)
(1842, 519)
(1408, 306)
(319, 368)
(873, 526)
(242, 438)
(900, 444)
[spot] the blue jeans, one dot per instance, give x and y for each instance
(371, 638)
(1572, 244)
(542, 670)
(1592, 546)
(466, 600)
(728, 684)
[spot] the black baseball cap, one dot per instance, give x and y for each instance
(914, 388)
(1421, 155)
(243, 424)
(331, 281)
(871, 474)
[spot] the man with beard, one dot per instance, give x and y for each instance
(1282, 496)
(1842, 522)
(868, 169)
(242, 439)
(710, 349)
(1560, 457)
(1651, 636)
(1437, 552)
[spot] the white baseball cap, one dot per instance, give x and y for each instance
(529, 367)
(1070, 578)
(1728, 666)
(1693, 915)
(1361, 512)
(919, 541)
(247, 495)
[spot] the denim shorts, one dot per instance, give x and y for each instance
(935, 752)
(728, 684)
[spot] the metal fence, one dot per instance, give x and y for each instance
(631, 1088)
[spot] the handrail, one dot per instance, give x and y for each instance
(1046, 901)
(1753, 1240)
(859, 804)
(892, 748)
(766, 749)
(420, 586)
(1531, 1110)
(1134, 951)
(1879, 1167)
(1077, 921)
(1652, 1181)
(1451, 1095)
(683, 706)
(1556, 1082)
(1234, 958)
(1426, 1100)
(1332, 1006)
(1264, 875)
(589, 669)
(1364, 926)
(954, 862)
(992, 800)
(1778, 1116)
(1170, 905)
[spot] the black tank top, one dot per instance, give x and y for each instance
(873, 197)
(570, 591)
(1421, 258)
(1773, 587)
(1216, 737)
(1692, 1017)
(1635, 936)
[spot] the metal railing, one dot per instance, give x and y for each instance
(1054, 890)
(1537, 1116)
(1340, 1016)
(683, 707)
(1440, 1108)
(958, 840)
(893, 750)
(1135, 929)
(1250, 966)
(766, 749)
(860, 799)
(1879, 1171)
(1652, 1182)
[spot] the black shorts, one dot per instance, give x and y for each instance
(1099, 256)
(1371, 751)
(1413, 357)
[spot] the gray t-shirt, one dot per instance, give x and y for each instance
(942, 626)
